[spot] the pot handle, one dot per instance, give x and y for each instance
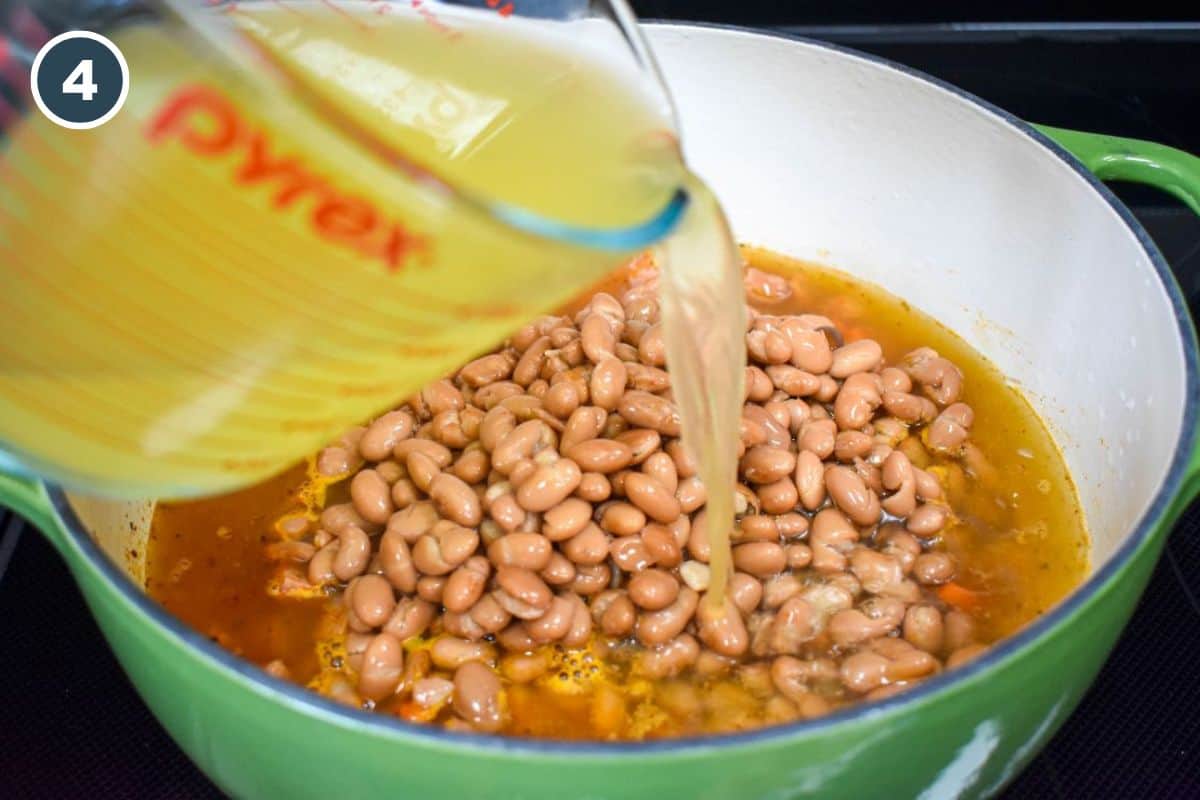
(1114, 158)
(1173, 171)
(27, 496)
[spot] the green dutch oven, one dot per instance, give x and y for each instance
(1000, 230)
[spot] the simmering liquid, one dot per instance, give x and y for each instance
(1018, 538)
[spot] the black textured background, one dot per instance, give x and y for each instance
(71, 725)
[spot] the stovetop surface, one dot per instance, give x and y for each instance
(72, 725)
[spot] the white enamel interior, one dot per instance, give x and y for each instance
(826, 156)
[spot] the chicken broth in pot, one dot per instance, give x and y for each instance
(522, 548)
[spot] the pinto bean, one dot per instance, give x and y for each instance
(489, 615)
(722, 628)
(336, 517)
(779, 497)
(465, 585)
(832, 538)
(491, 396)
(438, 453)
(669, 658)
(518, 444)
(876, 617)
(856, 357)
(881, 574)
(335, 461)
(554, 623)
(486, 369)
(445, 547)
(530, 363)
(927, 519)
(421, 470)
(691, 494)
(588, 547)
(794, 382)
(964, 654)
(411, 617)
(908, 407)
(852, 496)
(651, 497)
(622, 519)
(598, 337)
(818, 436)
(477, 696)
(549, 485)
(590, 579)
(601, 455)
(761, 559)
(371, 599)
(851, 444)
(938, 377)
(455, 499)
(923, 628)
(503, 507)
(810, 479)
(810, 350)
(661, 467)
(645, 410)
(659, 627)
(855, 404)
(352, 554)
(527, 550)
(630, 554)
(685, 465)
(562, 399)
(895, 379)
(765, 464)
(897, 543)
(934, 568)
(642, 442)
(497, 423)
(799, 556)
(607, 383)
(384, 433)
(758, 386)
(928, 487)
(792, 525)
(902, 662)
(614, 612)
(585, 423)
(430, 588)
(594, 487)
(566, 519)
(462, 626)
(471, 467)
(746, 592)
(653, 589)
(898, 477)
(661, 546)
(382, 667)
(521, 592)
(950, 430)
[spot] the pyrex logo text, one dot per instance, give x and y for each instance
(208, 124)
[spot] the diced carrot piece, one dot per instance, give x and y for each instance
(959, 596)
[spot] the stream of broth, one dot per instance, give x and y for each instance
(1020, 538)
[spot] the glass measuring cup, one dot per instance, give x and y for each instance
(304, 212)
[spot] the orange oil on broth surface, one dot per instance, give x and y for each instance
(1019, 538)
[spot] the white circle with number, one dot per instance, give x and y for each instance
(79, 80)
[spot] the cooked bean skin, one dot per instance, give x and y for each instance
(477, 696)
(540, 500)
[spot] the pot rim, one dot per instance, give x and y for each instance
(306, 701)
